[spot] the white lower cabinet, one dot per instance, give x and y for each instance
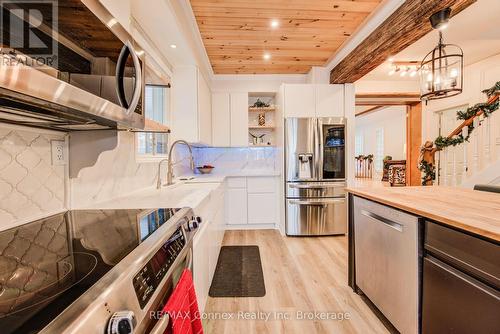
(252, 202)
(262, 208)
(207, 243)
(201, 262)
(236, 206)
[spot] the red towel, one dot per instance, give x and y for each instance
(182, 308)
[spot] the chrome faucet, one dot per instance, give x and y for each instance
(170, 171)
(158, 181)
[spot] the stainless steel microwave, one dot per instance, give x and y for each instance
(68, 65)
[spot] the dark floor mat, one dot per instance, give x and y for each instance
(238, 273)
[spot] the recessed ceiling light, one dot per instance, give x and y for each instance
(266, 56)
(275, 24)
(391, 59)
(173, 46)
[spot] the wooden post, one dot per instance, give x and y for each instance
(413, 143)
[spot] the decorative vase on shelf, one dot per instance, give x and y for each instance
(262, 119)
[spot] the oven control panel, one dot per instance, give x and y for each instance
(149, 277)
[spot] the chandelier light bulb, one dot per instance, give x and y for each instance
(454, 73)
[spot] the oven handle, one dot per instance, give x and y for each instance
(127, 50)
(161, 325)
(317, 203)
(189, 262)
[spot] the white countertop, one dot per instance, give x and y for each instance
(190, 193)
(178, 195)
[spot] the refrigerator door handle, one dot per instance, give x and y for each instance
(319, 147)
(317, 202)
(317, 186)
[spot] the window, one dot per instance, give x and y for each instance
(379, 149)
(156, 108)
(358, 146)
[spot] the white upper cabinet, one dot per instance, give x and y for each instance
(221, 120)
(299, 100)
(204, 111)
(329, 100)
(239, 119)
(313, 100)
(191, 114)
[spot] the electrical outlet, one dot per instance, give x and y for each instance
(58, 152)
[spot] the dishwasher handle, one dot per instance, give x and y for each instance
(385, 221)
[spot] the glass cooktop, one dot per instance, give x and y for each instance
(47, 264)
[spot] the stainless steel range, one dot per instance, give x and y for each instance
(315, 172)
(76, 271)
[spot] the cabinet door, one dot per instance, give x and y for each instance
(330, 100)
(184, 113)
(221, 120)
(299, 100)
(262, 208)
(236, 206)
(239, 119)
(201, 261)
(204, 111)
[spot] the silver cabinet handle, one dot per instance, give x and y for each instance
(161, 326)
(318, 203)
(383, 220)
(316, 186)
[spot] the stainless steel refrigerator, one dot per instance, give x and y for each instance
(315, 175)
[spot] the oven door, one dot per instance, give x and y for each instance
(316, 216)
(160, 324)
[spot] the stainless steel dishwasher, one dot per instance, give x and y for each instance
(387, 261)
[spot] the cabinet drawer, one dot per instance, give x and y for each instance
(476, 256)
(259, 185)
(236, 182)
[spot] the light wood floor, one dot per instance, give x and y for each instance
(301, 275)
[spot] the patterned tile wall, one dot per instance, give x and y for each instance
(29, 185)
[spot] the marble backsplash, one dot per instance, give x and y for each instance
(116, 173)
(30, 186)
(230, 160)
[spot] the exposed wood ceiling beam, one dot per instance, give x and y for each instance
(406, 25)
(387, 99)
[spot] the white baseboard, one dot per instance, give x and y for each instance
(251, 227)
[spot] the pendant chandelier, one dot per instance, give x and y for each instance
(441, 71)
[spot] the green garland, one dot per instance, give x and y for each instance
(442, 142)
(428, 170)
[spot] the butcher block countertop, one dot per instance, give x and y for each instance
(470, 210)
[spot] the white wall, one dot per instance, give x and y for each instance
(253, 83)
(318, 75)
(393, 121)
(386, 86)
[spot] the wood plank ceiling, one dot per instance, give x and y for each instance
(237, 33)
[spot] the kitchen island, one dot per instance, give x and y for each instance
(427, 258)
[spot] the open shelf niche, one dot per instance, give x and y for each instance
(267, 131)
